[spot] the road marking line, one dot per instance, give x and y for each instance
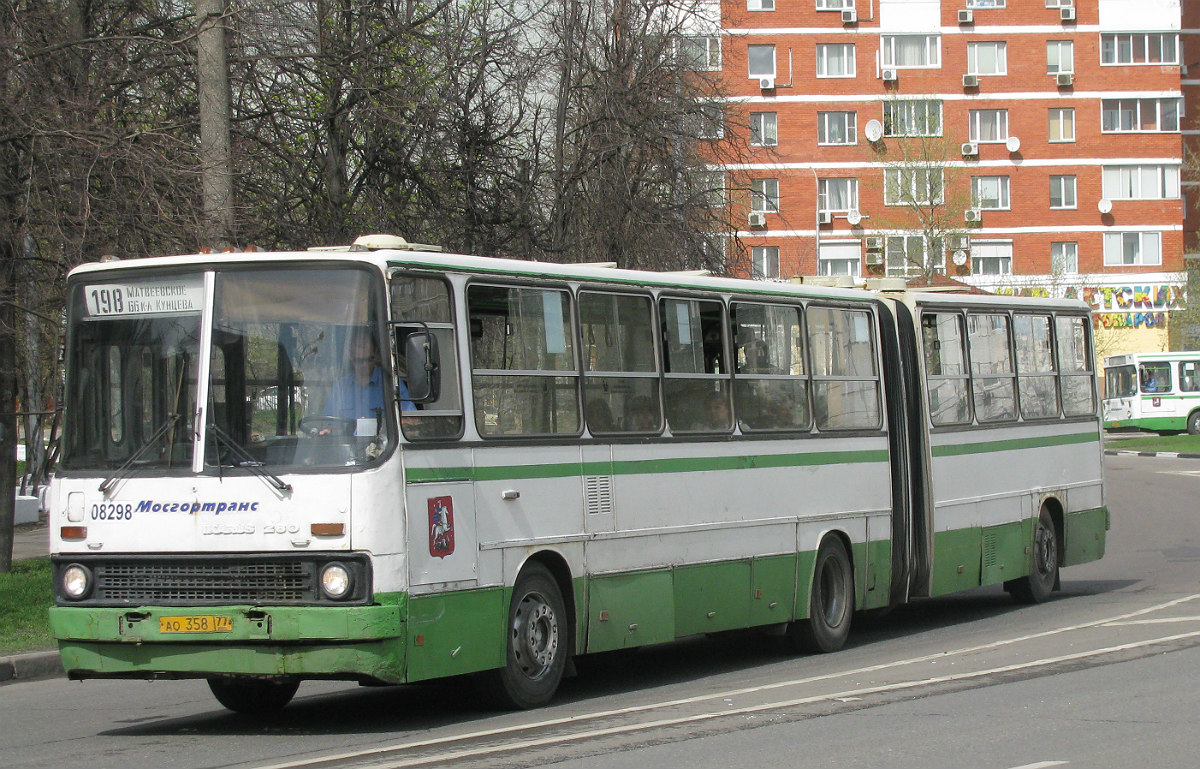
(1159, 621)
(1041, 765)
(667, 722)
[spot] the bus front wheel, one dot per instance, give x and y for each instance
(255, 696)
(1193, 423)
(537, 642)
(1040, 583)
(830, 603)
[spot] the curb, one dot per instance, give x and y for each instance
(34, 666)
(1168, 454)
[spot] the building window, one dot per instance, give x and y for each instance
(989, 125)
(839, 259)
(708, 120)
(766, 261)
(1059, 3)
(985, 3)
(1140, 182)
(761, 60)
(911, 51)
(710, 185)
(1139, 115)
(834, 5)
(912, 117)
(987, 58)
(764, 129)
(837, 128)
(1139, 48)
(991, 258)
(1125, 249)
(1062, 124)
(700, 54)
(837, 194)
(910, 255)
(1062, 191)
(760, 5)
(990, 193)
(1064, 258)
(1060, 56)
(764, 195)
(835, 60)
(912, 186)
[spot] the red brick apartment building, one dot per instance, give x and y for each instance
(1051, 130)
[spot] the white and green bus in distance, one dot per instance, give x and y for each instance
(555, 460)
(1158, 392)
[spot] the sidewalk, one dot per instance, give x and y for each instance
(30, 541)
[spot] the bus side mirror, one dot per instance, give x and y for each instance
(424, 377)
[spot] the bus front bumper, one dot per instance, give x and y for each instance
(363, 643)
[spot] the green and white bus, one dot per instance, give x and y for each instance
(559, 460)
(1159, 392)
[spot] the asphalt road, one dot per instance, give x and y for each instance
(1103, 675)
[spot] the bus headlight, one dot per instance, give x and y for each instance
(336, 581)
(76, 582)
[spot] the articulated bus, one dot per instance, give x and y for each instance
(1159, 392)
(556, 460)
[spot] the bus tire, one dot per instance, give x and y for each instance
(1193, 423)
(537, 642)
(830, 602)
(254, 696)
(1041, 582)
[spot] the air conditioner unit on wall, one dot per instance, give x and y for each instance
(757, 219)
(849, 16)
(889, 74)
(970, 149)
(874, 258)
(958, 242)
(1065, 78)
(766, 83)
(1066, 14)
(825, 217)
(970, 81)
(873, 243)
(966, 16)
(972, 215)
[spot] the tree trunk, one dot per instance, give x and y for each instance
(8, 402)
(216, 158)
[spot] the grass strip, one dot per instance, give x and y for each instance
(25, 597)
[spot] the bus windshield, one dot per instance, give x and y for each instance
(1120, 382)
(296, 372)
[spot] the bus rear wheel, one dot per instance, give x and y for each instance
(254, 696)
(1040, 583)
(830, 603)
(537, 642)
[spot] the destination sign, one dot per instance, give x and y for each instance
(183, 295)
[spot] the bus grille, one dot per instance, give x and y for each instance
(212, 579)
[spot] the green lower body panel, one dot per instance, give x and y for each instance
(454, 633)
(1086, 533)
(627, 610)
(956, 560)
(1007, 552)
(349, 642)
(1153, 424)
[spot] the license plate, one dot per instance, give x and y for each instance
(195, 623)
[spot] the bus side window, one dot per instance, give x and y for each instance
(524, 370)
(1075, 367)
(771, 385)
(1036, 380)
(621, 385)
(993, 378)
(696, 379)
(945, 368)
(1189, 376)
(845, 376)
(426, 301)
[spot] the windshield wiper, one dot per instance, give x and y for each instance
(244, 459)
(125, 468)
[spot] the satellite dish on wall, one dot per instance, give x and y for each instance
(873, 130)
(1013, 144)
(853, 217)
(1105, 205)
